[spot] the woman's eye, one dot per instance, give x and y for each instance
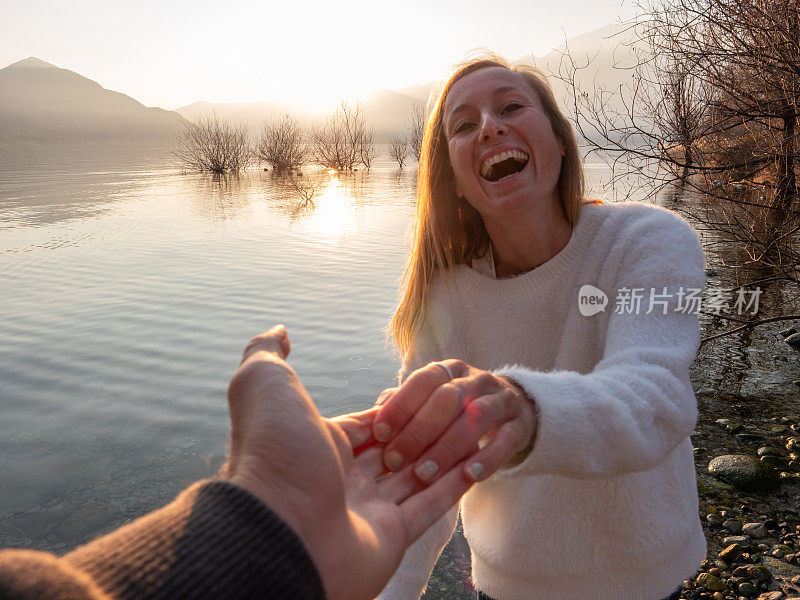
(462, 127)
(511, 107)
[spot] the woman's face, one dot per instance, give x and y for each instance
(504, 154)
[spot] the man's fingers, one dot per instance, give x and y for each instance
(397, 487)
(357, 426)
(424, 508)
(275, 340)
(370, 461)
(385, 395)
(504, 445)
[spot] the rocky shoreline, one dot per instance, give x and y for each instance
(750, 509)
(750, 504)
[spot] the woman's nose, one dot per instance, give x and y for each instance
(491, 127)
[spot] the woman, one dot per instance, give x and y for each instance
(587, 406)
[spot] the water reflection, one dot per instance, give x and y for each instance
(405, 179)
(335, 213)
(221, 198)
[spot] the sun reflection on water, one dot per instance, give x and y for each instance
(335, 213)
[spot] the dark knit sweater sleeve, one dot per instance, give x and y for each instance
(215, 540)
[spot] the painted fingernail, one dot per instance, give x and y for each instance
(393, 460)
(475, 470)
(426, 470)
(382, 432)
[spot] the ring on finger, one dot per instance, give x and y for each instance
(446, 368)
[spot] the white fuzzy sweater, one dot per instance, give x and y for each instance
(605, 506)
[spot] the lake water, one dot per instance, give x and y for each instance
(129, 290)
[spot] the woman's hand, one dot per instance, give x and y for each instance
(435, 422)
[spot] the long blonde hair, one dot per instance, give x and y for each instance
(447, 230)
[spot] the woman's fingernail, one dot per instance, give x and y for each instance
(426, 470)
(475, 470)
(393, 460)
(382, 432)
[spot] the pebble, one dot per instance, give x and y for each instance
(743, 541)
(730, 425)
(714, 520)
(732, 525)
(744, 472)
(754, 572)
(793, 340)
(771, 525)
(748, 590)
(754, 530)
(771, 596)
(731, 553)
(708, 581)
(769, 451)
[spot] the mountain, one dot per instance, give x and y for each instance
(386, 110)
(42, 103)
(606, 57)
(251, 114)
(389, 111)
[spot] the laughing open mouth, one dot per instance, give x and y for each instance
(503, 165)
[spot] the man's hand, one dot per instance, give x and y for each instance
(355, 527)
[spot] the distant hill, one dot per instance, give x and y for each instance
(42, 103)
(608, 54)
(386, 110)
(251, 114)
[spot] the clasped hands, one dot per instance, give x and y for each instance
(449, 413)
(328, 479)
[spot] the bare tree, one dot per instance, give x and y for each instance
(282, 144)
(715, 95)
(416, 129)
(398, 149)
(213, 144)
(711, 107)
(367, 150)
(343, 140)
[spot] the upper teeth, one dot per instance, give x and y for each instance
(493, 160)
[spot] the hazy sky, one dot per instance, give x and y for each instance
(170, 53)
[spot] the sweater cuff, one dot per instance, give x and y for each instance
(538, 458)
(214, 540)
(520, 456)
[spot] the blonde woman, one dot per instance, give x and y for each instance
(550, 338)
